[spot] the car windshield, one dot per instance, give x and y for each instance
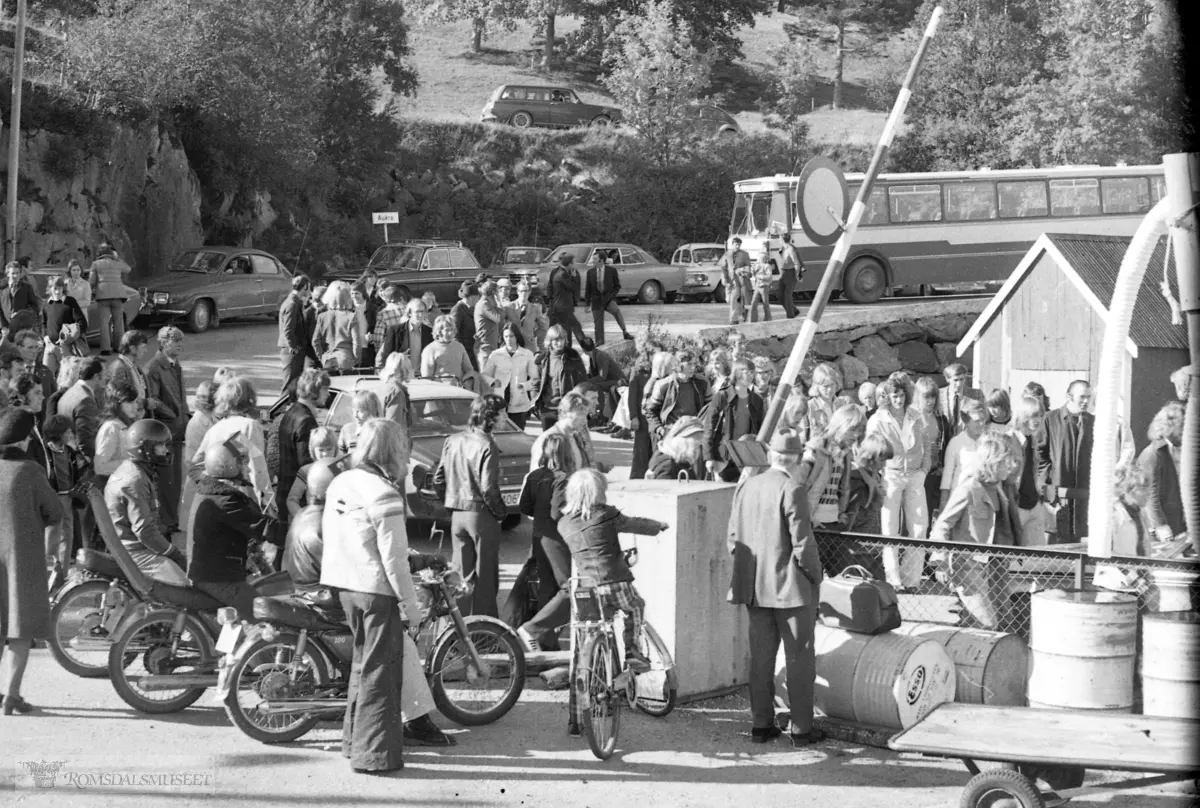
(197, 261)
(431, 417)
(396, 256)
(707, 255)
(579, 251)
(525, 255)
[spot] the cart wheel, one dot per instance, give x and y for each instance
(1059, 778)
(1001, 788)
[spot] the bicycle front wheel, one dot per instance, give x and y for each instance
(599, 701)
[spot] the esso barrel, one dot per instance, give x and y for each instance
(990, 667)
(1171, 664)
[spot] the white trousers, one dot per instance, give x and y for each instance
(904, 493)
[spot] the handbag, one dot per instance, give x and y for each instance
(856, 601)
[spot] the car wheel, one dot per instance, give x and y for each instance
(719, 293)
(202, 317)
(865, 281)
(601, 121)
(651, 292)
(521, 120)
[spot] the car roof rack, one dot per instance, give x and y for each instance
(425, 242)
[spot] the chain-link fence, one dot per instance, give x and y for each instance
(990, 587)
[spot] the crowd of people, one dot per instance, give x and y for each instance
(189, 491)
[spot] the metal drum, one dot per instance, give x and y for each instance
(885, 680)
(990, 667)
(1084, 646)
(1171, 664)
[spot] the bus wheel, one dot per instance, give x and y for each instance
(865, 281)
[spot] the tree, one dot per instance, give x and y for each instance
(656, 74)
(789, 93)
(482, 14)
(878, 17)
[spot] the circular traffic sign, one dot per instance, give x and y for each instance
(822, 200)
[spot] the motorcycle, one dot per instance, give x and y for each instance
(282, 676)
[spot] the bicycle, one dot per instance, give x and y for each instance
(601, 679)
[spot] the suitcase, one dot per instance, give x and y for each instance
(855, 601)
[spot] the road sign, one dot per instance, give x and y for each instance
(387, 217)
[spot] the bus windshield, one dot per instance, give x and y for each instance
(751, 213)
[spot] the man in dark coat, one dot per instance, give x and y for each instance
(606, 376)
(20, 306)
(1065, 464)
(950, 398)
(81, 403)
(164, 386)
(30, 345)
(600, 294)
(560, 369)
(777, 577)
(562, 295)
(294, 428)
(295, 338)
(408, 337)
(463, 314)
(733, 413)
(29, 507)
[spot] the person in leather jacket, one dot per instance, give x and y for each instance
(469, 478)
(225, 522)
(131, 495)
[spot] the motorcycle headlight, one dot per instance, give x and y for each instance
(227, 616)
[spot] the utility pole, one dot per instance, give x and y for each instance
(14, 131)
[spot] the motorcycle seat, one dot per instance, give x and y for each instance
(99, 563)
(274, 583)
(293, 611)
(183, 597)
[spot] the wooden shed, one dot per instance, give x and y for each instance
(1046, 324)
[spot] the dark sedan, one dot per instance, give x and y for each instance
(555, 107)
(204, 284)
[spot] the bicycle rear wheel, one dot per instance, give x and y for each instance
(599, 701)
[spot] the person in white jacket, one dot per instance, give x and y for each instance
(903, 477)
(513, 374)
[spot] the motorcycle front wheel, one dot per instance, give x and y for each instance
(82, 622)
(463, 693)
(267, 671)
(146, 648)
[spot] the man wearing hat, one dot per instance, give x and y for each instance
(108, 274)
(777, 575)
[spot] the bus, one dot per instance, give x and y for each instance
(945, 228)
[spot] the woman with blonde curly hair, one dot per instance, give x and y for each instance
(235, 408)
(825, 467)
(336, 338)
(445, 359)
(1160, 463)
(826, 384)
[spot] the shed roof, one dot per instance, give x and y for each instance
(1092, 264)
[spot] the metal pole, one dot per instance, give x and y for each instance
(1183, 191)
(14, 132)
(808, 327)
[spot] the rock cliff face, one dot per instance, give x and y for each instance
(135, 189)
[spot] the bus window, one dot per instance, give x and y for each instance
(751, 213)
(916, 203)
(1158, 189)
(1022, 200)
(1125, 195)
(877, 206)
(970, 201)
(1075, 197)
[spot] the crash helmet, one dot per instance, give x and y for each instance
(148, 441)
(224, 460)
(319, 477)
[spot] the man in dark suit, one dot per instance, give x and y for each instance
(600, 293)
(733, 413)
(951, 396)
(409, 336)
(295, 339)
(463, 313)
(562, 294)
(164, 386)
(81, 403)
(606, 376)
(1065, 464)
(294, 428)
(777, 576)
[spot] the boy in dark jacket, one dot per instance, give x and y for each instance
(590, 527)
(226, 520)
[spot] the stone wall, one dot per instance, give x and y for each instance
(920, 338)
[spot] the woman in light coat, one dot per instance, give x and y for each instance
(122, 407)
(336, 339)
(514, 374)
(365, 557)
(236, 412)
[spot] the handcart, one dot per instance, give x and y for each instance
(1055, 747)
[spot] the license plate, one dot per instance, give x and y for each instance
(511, 498)
(227, 642)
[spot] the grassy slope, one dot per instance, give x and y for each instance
(455, 83)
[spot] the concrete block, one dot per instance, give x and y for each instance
(683, 574)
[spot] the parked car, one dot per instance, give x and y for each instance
(204, 285)
(438, 411)
(517, 259)
(714, 121)
(702, 271)
(133, 300)
(643, 277)
(418, 266)
(524, 105)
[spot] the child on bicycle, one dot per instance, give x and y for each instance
(590, 527)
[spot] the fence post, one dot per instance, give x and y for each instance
(1080, 570)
